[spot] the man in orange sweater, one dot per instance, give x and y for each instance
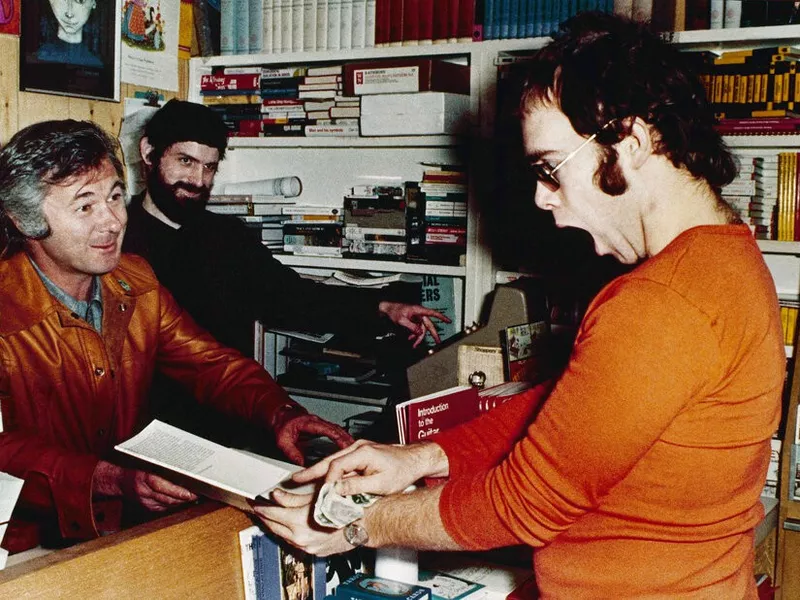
(640, 475)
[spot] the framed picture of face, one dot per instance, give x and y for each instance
(71, 47)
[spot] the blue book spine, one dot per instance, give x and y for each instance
(522, 19)
(530, 18)
(488, 20)
(566, 10)
(266, 568)
(498, 8)
(538, 18)
(256, 24)
(241, 26)
(505, 18)
(513, 19)
(227, 45)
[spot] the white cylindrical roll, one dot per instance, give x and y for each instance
(276, 186)
(399, 564)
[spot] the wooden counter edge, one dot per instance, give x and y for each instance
(193, 553)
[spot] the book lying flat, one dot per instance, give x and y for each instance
(207, 468)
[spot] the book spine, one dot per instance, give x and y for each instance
(256, 25)
(426, 8)
(322, 25)
(370, 23)
(334, 24)
(266, 26)
(298, 10)
(716, 14)
(452, 24)
(488, 19)
(227, 44)
(411, 25)
(277, 25)
(513, 19)
(346, 25)
(381, 23)
(310, 25)
(466, 20)
(441, 19)
(241, 27)
(359, 29)
(396, 22)
(732, 18)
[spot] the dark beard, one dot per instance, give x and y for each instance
(164, 197)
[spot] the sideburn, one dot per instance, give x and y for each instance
(609, 176)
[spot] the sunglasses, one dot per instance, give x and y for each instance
(547, 175)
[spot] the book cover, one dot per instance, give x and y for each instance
(405, 75)
(395, 22)
(273, 570)
(411, 24)
(310, 25)
(445, 586)
(346, 25)
(368, 587)
(525, 351)
(204, 467)
(423, 417)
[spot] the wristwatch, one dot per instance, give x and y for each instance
(355, 534)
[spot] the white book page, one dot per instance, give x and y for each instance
(177, 450)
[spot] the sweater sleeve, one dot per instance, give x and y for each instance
(623, 387)
(480, 444)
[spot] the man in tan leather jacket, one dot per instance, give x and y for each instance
(82, 330)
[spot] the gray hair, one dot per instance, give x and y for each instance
(39, 156)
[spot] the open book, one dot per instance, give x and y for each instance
(207, 468)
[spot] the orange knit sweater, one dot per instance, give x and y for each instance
(640, 476)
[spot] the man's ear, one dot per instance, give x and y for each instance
(146, 149)
(638, 146)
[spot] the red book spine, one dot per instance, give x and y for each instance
(441, 21)
(452, 25)
(425, 21)
(411, 22)
(230, 82)
(396, 22)
(381, 22)
(466, 21)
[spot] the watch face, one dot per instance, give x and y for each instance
(355, 534)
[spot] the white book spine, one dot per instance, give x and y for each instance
(334, 24)
(346, 25)
(256, 24)
(717, 15)
(359, 24)
(241, 26)
(369, 24)
(310, 25)
(322, 24)
(286, 26)
(266, 26)
(623, 8)
(277, 25)
(227, 45)
(298, 8)
(733, 14)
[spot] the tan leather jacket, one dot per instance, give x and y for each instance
(69, 394)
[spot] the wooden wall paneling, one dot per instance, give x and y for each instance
(9, 86)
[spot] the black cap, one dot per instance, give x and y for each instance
(180, 121)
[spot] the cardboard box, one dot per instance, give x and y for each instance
(424, 113)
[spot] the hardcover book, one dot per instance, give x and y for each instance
(525, 351)
(405, 75)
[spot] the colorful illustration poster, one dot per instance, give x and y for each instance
(9, 16)
(150, 31)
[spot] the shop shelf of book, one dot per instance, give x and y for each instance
(763, 141)
(776, 247)
(732, 39)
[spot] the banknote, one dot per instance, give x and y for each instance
(334, 510)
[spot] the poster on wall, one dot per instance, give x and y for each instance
(9, 16)
(71, 47)
(150, 35)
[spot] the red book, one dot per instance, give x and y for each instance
(452, 25)
(426, 416)
(425, 22)
(244, 81)
(396, 22)
(411, 22)
(382, 22)
(466, 21)
(441, 21)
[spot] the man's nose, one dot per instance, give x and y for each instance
(545, 198)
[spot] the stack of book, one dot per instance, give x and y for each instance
(743, 84)
(259, 101)
(444, 194)
(754, 193)
(313, 230)
(374, 217)
(788, 208)
(260, 212)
